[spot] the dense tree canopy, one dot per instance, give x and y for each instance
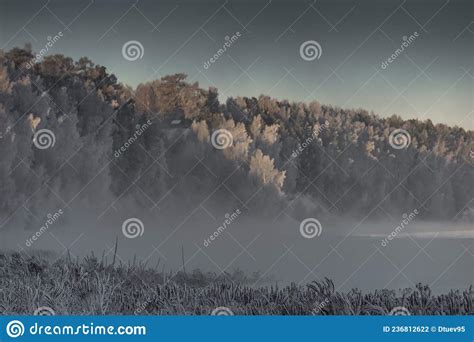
(340, 160)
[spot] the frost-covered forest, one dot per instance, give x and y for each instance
(307, 156)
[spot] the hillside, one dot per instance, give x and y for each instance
(174, 139)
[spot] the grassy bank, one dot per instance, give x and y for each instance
(92, 286)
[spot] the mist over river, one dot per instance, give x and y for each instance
(352, 254)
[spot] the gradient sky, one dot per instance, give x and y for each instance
(432, 78)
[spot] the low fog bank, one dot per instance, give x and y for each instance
(353, 254)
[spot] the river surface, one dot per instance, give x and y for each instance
(352, 254)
